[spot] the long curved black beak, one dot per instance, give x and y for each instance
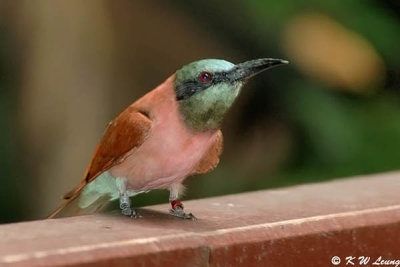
(247, 69)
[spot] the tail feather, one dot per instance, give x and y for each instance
(93, 198)
(62, 206)
(71, 207)
(68, 198)
(75, 191)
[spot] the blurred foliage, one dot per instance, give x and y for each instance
(336, 133)
(334, 112)
(339, 133)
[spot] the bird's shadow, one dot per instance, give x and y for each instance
(157, 219)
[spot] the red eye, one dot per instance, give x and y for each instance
(205, 77)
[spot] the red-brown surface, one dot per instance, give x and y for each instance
(298, 226)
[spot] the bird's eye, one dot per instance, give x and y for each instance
(205, 77)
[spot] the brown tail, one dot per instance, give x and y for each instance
(68, 198)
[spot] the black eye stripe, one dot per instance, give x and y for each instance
(191, 87)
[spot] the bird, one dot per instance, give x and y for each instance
(167, 135)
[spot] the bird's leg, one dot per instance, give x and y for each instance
(176, 205)
(124, 200)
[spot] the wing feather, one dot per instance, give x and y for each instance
(211, 158)
(126, 132)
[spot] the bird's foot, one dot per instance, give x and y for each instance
(177, 211)
(131, 213)
(125, 206)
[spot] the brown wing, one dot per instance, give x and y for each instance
(211, 158)
(127, 131)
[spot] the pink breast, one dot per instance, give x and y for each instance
(169, 154)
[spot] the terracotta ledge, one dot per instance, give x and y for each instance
(298, 226)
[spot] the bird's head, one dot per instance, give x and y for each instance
(206, 89)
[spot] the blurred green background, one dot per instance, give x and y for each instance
(68, 67)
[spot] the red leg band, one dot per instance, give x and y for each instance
(176, 203)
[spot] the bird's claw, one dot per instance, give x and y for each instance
(131, 213)
(178, 212)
